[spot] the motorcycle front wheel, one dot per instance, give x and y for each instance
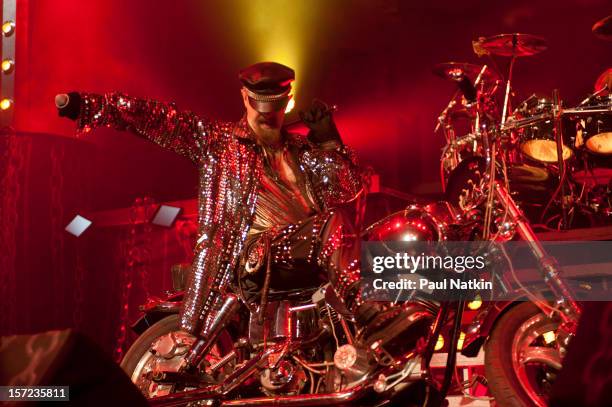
(162, 347)
(522, 357)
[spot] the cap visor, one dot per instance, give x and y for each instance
(268, 106)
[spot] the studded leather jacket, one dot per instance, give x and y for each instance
(230, 167)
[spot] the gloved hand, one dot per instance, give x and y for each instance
(68, 105)
(321, 123)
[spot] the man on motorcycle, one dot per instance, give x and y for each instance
(269, 201)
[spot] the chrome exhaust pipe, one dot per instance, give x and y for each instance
(342, 397)
(213, 396)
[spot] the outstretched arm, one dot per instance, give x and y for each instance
(182, 132)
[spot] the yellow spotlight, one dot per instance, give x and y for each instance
(475, 304)
(460, 341)
(7, 65)
(278, 30)
(6, 104)
(439, 343)
(8, 28)
(549, 337)
(290, 105)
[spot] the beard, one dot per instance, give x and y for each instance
(267, 129)
(267, 134)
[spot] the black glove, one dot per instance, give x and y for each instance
(321, 123)
(72, 109)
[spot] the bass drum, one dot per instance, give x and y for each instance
(593, 170)
(531, 185)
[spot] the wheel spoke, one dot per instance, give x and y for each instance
(540, 354)
(536, 327)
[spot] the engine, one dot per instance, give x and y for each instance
(282, 377)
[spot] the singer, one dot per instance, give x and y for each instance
(269, 201)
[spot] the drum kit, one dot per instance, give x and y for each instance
(557, 161)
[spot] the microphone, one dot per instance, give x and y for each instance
(467, 88)
(61, 100)
(594, 95)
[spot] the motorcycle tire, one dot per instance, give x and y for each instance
(504, 383)
(165, 326)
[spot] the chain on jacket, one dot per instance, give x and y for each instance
(230, 167)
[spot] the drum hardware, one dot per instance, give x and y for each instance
(509, 45)
(455, 71)
(559, 159)
(447, 164)
(460, 73)
(586, 110)
(506, 106)
(583, 131)
(464, 140)
(558, 130)
(445, 113)
(594, 124)
(535, 123)
(516, 124)
(471, 107)
(598, 92)
(604, 82)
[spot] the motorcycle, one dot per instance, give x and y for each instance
(310, 350)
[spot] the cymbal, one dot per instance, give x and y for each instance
(604, 80)
(603, 28)
(455, 70)
(508, 45)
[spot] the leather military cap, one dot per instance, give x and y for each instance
(268, 85)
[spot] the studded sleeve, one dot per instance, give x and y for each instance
(182, 132)
(334, 173)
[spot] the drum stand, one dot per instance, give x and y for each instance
(557, 114)
(449, 135)
(506, 107)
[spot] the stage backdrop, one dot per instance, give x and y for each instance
(371, 58)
